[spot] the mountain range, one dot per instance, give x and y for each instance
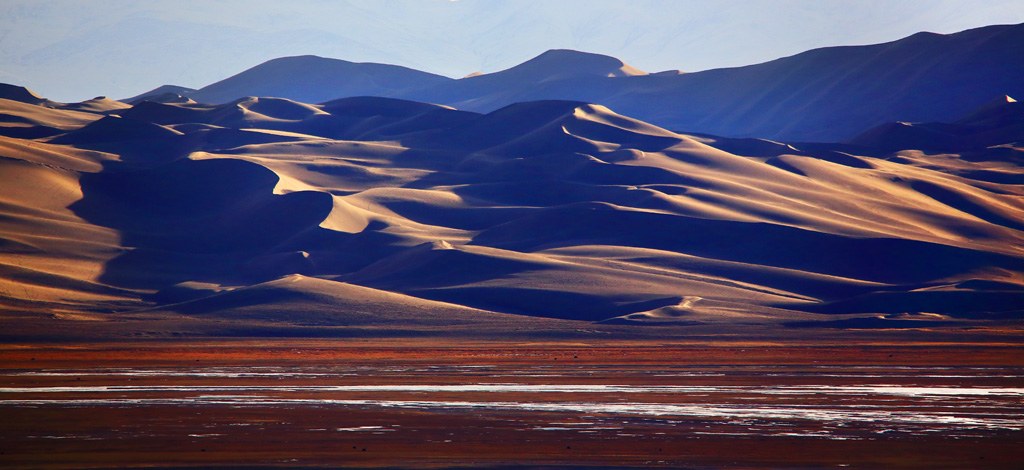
(826, 95)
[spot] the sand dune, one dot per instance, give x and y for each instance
(996, 122)
(304, 300)
(30, 121)
(22, 95)
(388, 214)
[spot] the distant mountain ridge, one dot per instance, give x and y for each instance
(309, 79)
(828, 94)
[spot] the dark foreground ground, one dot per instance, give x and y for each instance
(428, 403)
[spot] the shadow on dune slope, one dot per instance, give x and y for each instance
(192, 220)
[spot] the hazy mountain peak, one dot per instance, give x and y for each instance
(558, 63)
(314, 79)
(161, 92)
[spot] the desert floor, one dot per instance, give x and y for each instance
(437, 403)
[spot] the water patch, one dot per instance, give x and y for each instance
(364, 428)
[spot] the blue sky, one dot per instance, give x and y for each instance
(72, 50)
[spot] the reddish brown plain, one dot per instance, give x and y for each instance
(429, 404)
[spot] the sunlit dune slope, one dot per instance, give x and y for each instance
(395, 214)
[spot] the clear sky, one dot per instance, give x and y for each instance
(71, 50)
